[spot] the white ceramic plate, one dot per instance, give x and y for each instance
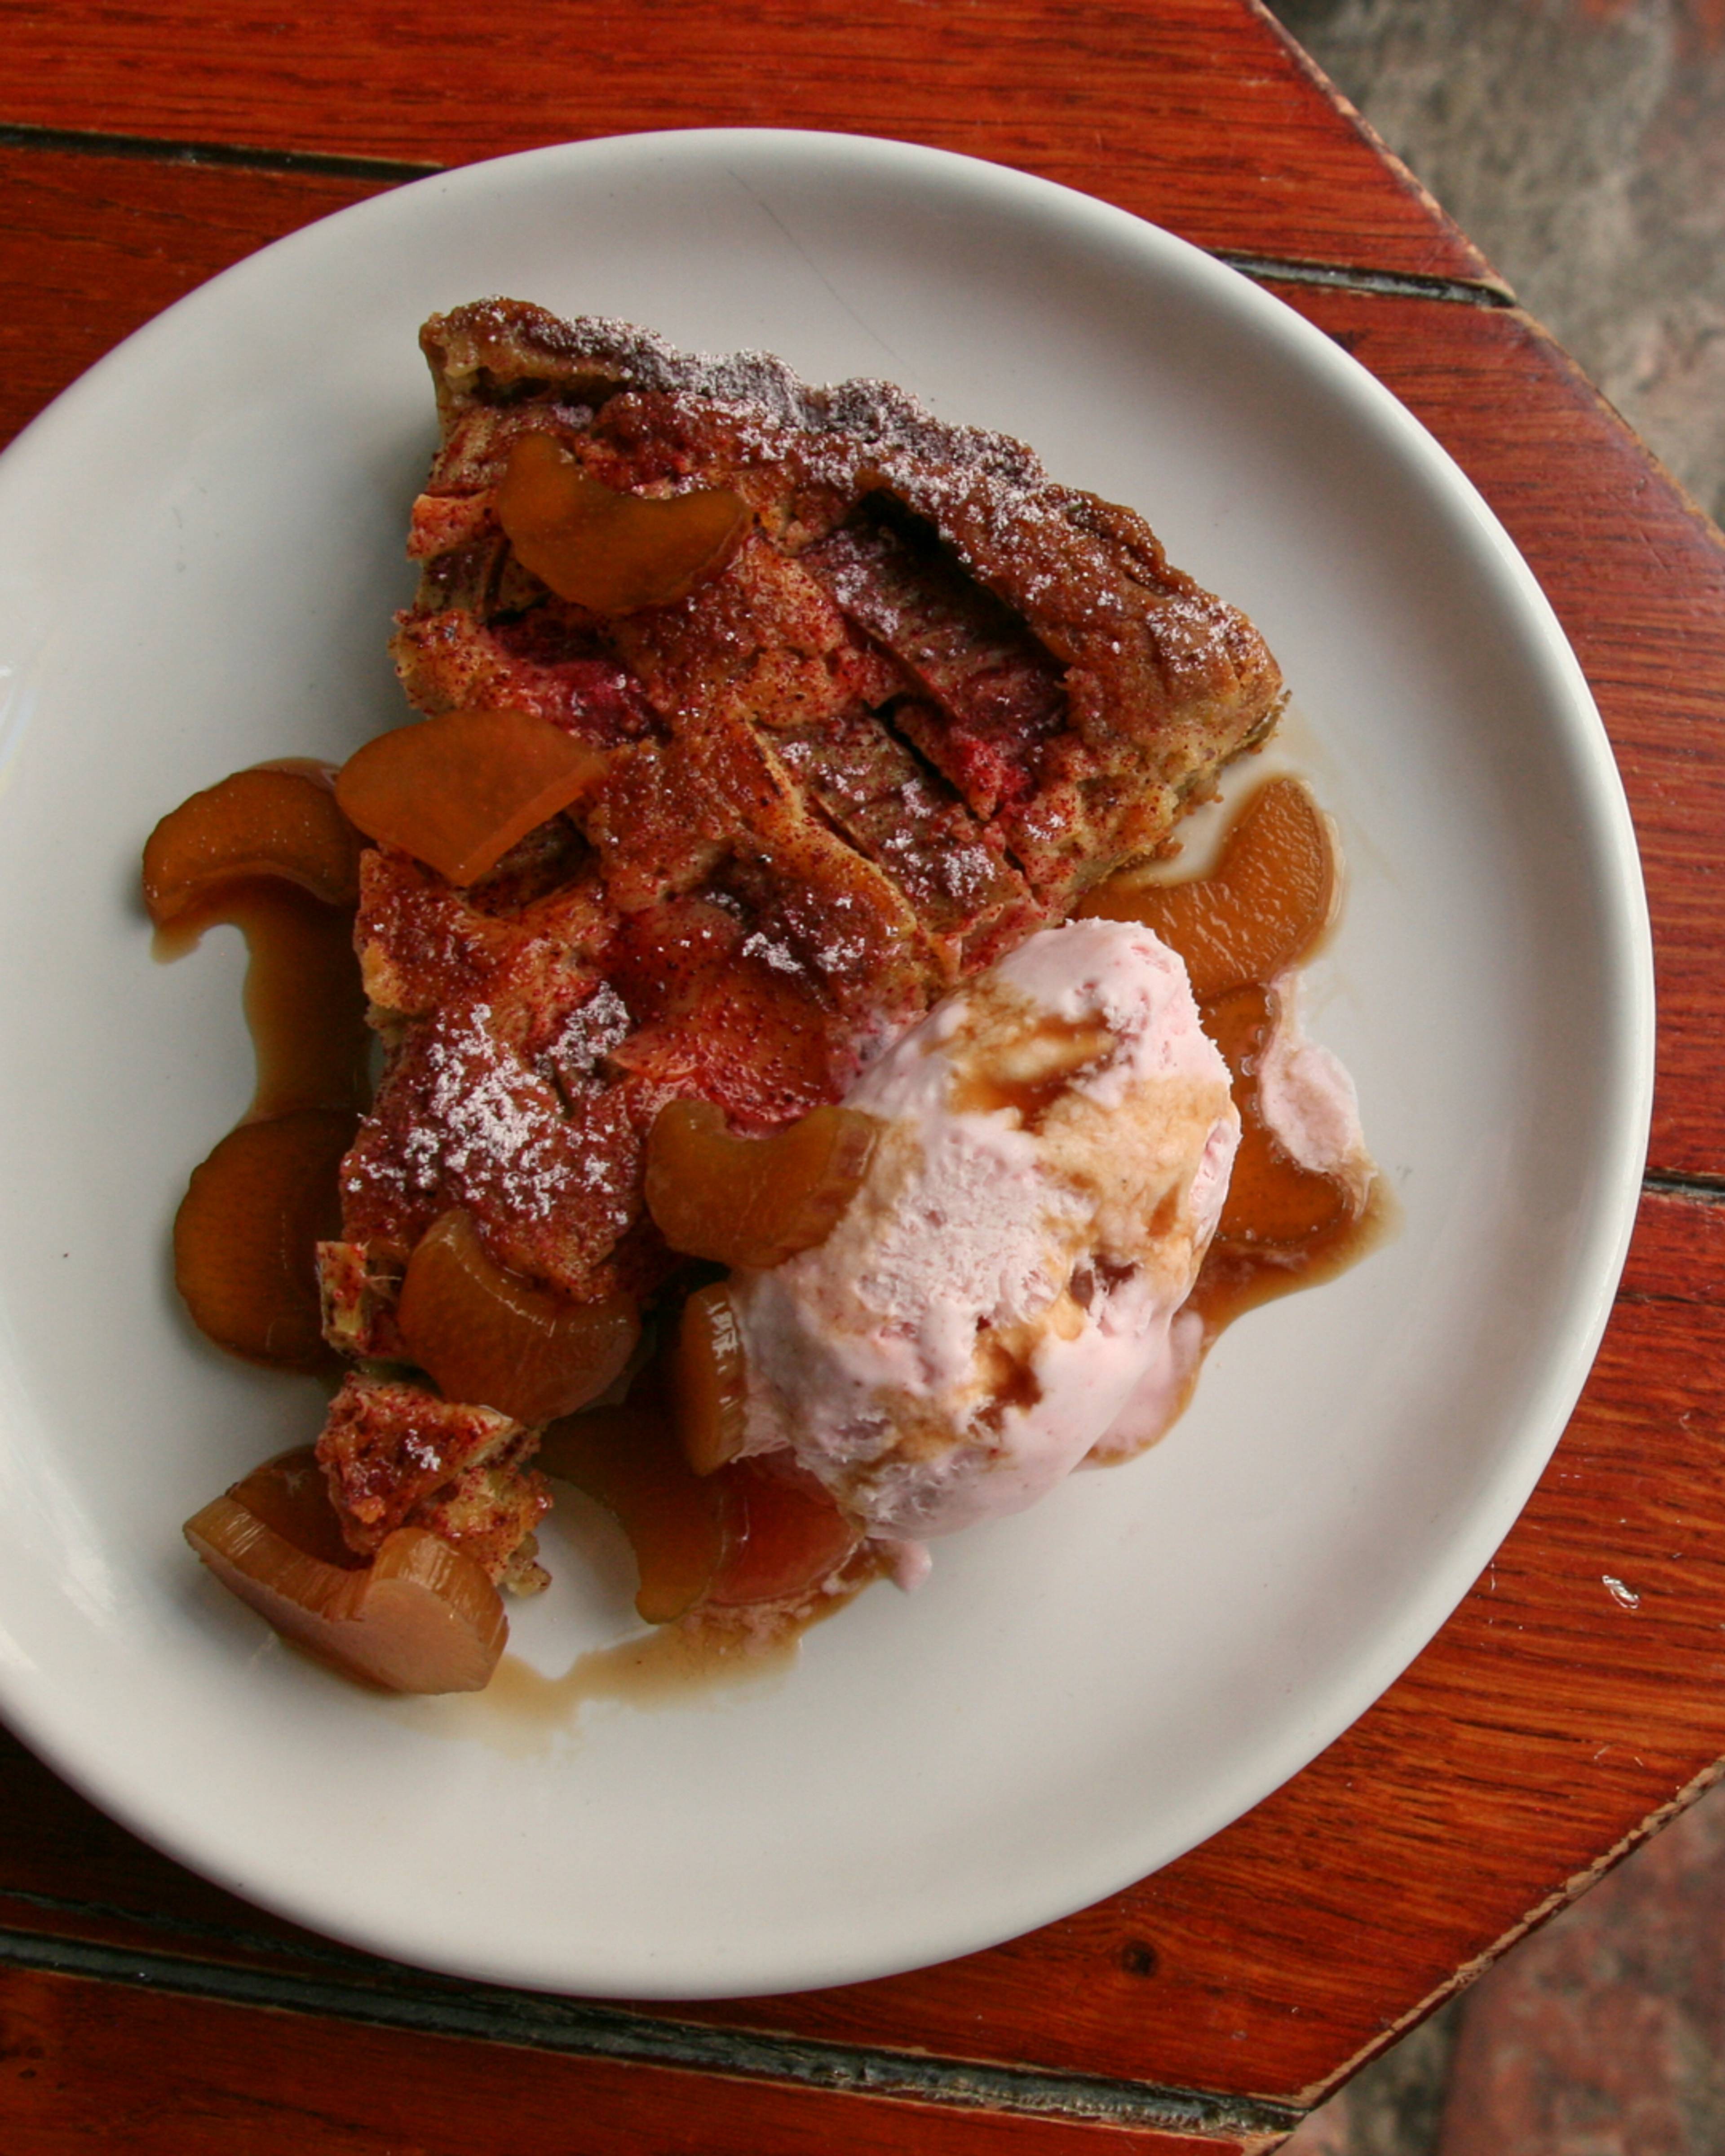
(203, 542)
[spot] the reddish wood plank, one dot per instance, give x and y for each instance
(141, 234)
(1195, 113)
(87, 2067)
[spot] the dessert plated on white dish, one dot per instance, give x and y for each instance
(205, 547)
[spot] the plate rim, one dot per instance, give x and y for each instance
(1600, 796)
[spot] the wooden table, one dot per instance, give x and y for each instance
(1546, 1730)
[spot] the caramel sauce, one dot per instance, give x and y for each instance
(656, 1669)
(1283, 1226)
(246, 1234)
(1273, 1203)
(522, 1712)
(1034, 1073)
(304, 1008)
(1264, 906)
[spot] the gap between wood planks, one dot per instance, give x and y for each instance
(89, 143)
(394, 171)
(1666, 1183)
(488, 2014)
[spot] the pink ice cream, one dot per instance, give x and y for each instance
(1056, 1146)
(1308, 1102)
(1308, 1099)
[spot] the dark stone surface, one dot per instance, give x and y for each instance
(1395, 2106)
(1603, 2034)
(1581, 144)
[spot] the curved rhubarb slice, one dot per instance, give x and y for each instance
(788, 1537)
(709, 1380)
(613, 553)
(753, 1201)
(493, 1339)
(275, 821)
(1260, 909)
(419, 1618)
(628, 1459)
(458, 792)
(755, 1531)
(247, 1232)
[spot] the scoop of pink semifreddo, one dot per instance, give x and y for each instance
(1000, 1297)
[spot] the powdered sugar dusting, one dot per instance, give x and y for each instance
(874, 422)
(590, 1033)
(985, 491)
(770, 952)
(487, 1121)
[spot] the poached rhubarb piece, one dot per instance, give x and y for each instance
(753, 1201)
(420, 1616)
(856, 701)
(460, 793)
(279, 820)
(753, 1537)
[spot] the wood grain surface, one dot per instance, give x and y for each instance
(89, 2070)
(1551, 1719)
(91, 247)
(1194, 113)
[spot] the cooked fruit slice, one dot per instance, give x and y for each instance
(1259, 910)
(628, 1459)
(279, 820)
(753, 1201)
(758, 1531)
(788, 1536)
(489, 1337)
(709, 1382)
(1271, 1199)
(420, 1617)
(290, 1494)
(458, 792)
(247, 1232)
(614, 553)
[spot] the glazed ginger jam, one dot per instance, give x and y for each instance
(718, 1536)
